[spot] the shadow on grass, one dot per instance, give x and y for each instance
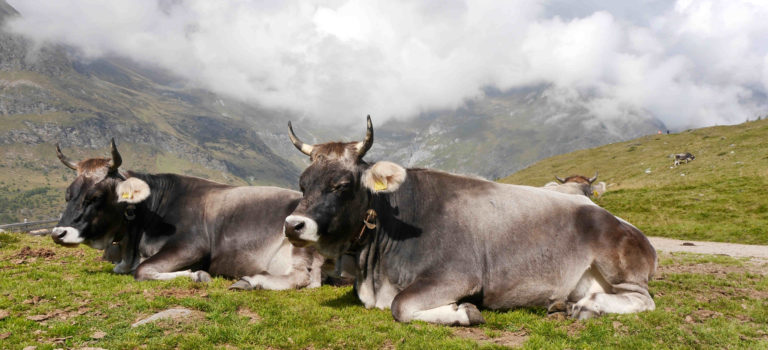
(96, 271)
(347, 300)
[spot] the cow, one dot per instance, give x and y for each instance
(433, 246)
(569, 188)
(577, 184)
(163, 226)
(680, 157)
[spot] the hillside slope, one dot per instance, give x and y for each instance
(160, 125)
(720, 196)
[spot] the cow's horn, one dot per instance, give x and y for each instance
(365, 145)
(593, 178)
(116, 160)
(64, 159)
(559, 179)
(301, 146)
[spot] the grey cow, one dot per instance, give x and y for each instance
(433, 246)
(163, 226)
(680, 157)
(577, 184)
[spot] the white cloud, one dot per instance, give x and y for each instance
(692, 63)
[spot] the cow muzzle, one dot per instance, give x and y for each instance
(300, 230)
(66, 236)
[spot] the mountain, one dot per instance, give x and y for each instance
(49, 95)
(160, 125)
(505, 131)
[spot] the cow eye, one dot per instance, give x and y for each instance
(91, 198)
(341, 186)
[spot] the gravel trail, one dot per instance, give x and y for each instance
(731, 249)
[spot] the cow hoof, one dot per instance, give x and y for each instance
(122, 268)
(559, 315)
(202, 276)
(557, 306)
(474, 315)
(241, 285)
(582, 312)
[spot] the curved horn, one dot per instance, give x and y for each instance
(64, 158)
(593, 178)
(562, 181)
(365, 145)
(301, 146)
(116, 160)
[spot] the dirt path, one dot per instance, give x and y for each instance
(731, 249)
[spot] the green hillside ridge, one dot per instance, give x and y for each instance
(720, 196)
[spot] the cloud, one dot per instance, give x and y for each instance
(691, 63)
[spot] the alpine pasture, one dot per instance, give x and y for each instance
(55, 297)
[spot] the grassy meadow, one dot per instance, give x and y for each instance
(56, 297)
(722, 195)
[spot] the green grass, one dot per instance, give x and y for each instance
(724, 210)
(720, 196)
(82, 296)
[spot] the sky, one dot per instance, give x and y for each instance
(689, 63)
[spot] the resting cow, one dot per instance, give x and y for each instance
(577, 184)
(165, 226)
(432, 245)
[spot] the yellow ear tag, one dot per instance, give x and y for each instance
(595, 194)
(126, 195)
(379, 186)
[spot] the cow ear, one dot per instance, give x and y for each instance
(132, 191)
(384, 177)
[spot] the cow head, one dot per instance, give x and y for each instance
(96, 201)
(577, 179)
(337, 189)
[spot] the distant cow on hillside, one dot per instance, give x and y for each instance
(683, 157)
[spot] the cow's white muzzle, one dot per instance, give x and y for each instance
(66, 235)
(300, 229)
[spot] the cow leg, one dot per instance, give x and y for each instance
(626, 298)
(606, 288)
(437, 302)
(316, 270)
(304, 272)
(166, 263)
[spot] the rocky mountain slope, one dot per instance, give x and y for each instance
(506, 131)
(161, 124)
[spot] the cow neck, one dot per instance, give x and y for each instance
(368, 226)
(150, 211)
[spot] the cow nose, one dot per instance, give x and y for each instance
(59, 232)
(300, 230)
(293, 227)
(299, 226)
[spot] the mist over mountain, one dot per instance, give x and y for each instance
(163, 122)
(506, 131)
(687, 63)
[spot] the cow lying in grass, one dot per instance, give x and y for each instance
(577, 184)
(433, 246)
(163, 226)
